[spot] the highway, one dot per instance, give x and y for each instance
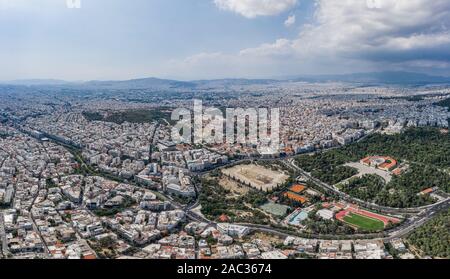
(397, 232)
(400, 231)
(418, 220)
(423, 213)
(290, 163)
(348, 198)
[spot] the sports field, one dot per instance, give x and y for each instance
(364, 223)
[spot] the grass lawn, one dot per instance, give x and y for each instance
(364, 223)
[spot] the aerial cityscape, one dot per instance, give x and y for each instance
(345, 165)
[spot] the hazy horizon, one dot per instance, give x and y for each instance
(279, 78)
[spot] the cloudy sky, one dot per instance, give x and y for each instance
(202, 39)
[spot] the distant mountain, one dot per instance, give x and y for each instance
(402, 78)
(143, 83)
(234, 82)
(378, 77)
(155, 83)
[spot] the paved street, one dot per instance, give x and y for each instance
(3, 235)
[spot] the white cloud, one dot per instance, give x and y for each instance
(282, 47)
(354, 35)
(290, 21)
(356, 27)
(374, 30)
(254, 8)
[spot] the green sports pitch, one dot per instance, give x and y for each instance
(364, 223)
